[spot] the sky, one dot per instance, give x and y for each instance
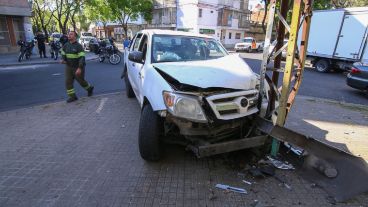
(253, 3)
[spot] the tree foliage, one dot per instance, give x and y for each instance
(125, 10)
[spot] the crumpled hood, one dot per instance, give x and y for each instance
(226, 72)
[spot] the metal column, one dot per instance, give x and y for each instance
(295, 59)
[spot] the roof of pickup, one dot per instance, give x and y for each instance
(171, 32)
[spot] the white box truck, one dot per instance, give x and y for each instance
(338, 38)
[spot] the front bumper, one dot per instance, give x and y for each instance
(356, 82)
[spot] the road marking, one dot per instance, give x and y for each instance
(102, 103)
(56, 74)
(19, 67)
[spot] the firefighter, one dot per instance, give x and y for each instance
(74, 57)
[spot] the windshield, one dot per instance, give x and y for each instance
(169, 48)
(56, 35)
(247, 40)
(87, 34)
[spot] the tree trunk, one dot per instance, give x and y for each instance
(265, 16)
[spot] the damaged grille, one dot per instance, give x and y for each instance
(234, 105)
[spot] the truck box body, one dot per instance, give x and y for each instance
(339, 34)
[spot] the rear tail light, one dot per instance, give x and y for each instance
(354, 70)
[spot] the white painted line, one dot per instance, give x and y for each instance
(102, 103)
(56, 74)
(19, 67)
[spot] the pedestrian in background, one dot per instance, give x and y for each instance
(74, 57)
(126, 42)
(41, 44)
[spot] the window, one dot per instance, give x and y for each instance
(4, 32)
(237, 36)
(18, 28)
(229, 35)
(136, 42)
(143, 47)
(200, 13)
(173, 48)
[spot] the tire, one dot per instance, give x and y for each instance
(128, 86)
(115, 59)
(20, 57)
(101, 58)
(322, 66)
(56, 55)
(150, 130)
(249, 50)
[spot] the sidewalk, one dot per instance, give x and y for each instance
(86, 154)
(12, 59)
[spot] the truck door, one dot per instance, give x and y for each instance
(132, 66)
(352, 36)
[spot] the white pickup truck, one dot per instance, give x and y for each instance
(248, 44)
(191, 92)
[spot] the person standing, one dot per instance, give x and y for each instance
(74, 57)
(126, 42)
(41, 44)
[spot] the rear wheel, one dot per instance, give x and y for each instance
(150, 131)
(20, 57)
(115, 59)
(322, 66)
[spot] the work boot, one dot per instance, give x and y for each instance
(71, 99)
(90, 91)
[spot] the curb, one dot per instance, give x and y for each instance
(39, 63)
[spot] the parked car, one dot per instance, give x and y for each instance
(190, 89)
(358, 76)
(284, 51)
(55, 37)
(84, 41)
(85, 34)
(248, 44)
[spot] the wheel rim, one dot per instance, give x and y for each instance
(321, 66)
(115, 59)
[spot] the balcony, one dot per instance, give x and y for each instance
(233, 18)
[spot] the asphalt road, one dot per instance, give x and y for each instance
(321, 85)
(23, 86)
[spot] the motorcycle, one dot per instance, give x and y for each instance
(55, 48)
(25, 49)
(109, 51)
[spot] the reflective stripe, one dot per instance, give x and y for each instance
(87, 87)
(70, 91)
(72, 56)
(81, 54)
(62, 52)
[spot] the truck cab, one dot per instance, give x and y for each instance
(248, 44)
(190, 89)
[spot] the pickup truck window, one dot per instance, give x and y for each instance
(172, 48)
(136, 42)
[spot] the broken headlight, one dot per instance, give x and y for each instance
(184, 106)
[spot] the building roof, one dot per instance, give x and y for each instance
(171, 32)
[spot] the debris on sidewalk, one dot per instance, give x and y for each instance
(282, 181)
(230, 188)
(298, 151)
(280, 164)
(246, 182)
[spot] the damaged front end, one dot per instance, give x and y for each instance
(210, 120)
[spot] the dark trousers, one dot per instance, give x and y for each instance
(69, 80)
(42, 50)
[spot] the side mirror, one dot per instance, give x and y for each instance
(136, 56)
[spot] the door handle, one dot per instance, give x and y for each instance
(133, 64)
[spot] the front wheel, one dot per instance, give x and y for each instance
(20, 57)
(150, 131)
(115, 59)
(101, 58)
(322, 65)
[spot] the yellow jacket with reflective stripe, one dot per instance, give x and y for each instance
(73, 54)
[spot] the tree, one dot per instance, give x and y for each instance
(98, 11)
(125, 10)
(63, 11)
(335, 4)
(266, 3)
(42, 15)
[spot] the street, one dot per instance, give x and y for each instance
(22, 86)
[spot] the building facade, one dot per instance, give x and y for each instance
(225, 20)
(15, 24)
